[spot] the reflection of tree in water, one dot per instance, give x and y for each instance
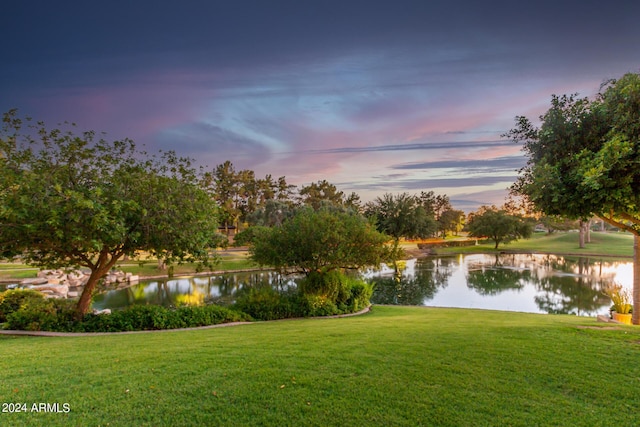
(430, 275)
(563, 285)
(566, 295)
(229, 285)
(494, 280)
(490, 277)
(568, 285)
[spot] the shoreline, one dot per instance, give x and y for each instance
(411, 253)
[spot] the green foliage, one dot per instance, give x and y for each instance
(499, 226)
(153, 317)
(403, 216)
(320, 241)
(273, 213)
(11, 300)
(320, 194)
(242, 197)
(71, 199)
(42, 315)
(316, 295)
(328, 285)
(266, 303)
(248, 236)
(58, 315)
(583, 160)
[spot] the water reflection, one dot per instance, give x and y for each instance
(219, 289)
(417, 282)
(513, 282)
(531, 283)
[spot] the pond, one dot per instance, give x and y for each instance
(511, 282)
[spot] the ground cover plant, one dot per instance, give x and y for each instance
(395, 366)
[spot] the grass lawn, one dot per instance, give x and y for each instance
(229, 260)
(395, 366)
(613, 244)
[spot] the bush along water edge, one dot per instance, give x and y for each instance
(317, 295)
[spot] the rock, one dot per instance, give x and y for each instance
(105, 311)
(61, 290)
(74, 283)
(36, 281)
(44, 273)
(72, 294)
(76, 275)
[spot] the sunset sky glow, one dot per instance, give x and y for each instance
(373, 96)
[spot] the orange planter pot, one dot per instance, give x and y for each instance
(622, 318)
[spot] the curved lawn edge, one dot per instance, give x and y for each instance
(219, 325)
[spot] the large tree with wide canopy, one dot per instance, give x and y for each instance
(584, 160)
(71, 199)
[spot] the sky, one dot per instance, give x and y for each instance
(373, 96)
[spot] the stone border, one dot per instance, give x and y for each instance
(220, 325)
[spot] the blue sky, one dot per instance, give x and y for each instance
(373, 96)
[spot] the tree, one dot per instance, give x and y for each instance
(320, 242)
(223, 185)
(316, 193)
(451, 220)
(71, 200)
(401, 216)
(498, 226)
(273, 213)
(583, 160)
(434, 204)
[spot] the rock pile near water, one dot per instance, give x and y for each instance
(61, 284)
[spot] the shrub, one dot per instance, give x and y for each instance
(40, 314)
(266, 303)
(153, 317)
(327, 284)
(334, 292)
(13, 299)
(360, 296)
(319, 305)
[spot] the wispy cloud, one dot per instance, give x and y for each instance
(496, 164)
(416, 146)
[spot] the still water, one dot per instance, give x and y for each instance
(511, 282)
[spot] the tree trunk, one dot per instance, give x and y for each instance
(588, 231)
(98, 270)
(636, 280)
(87, 293)
(581, 234)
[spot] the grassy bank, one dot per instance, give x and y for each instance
(610, 244)
(395, 366)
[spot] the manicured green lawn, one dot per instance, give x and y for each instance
(395, 366)
(614, 244)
